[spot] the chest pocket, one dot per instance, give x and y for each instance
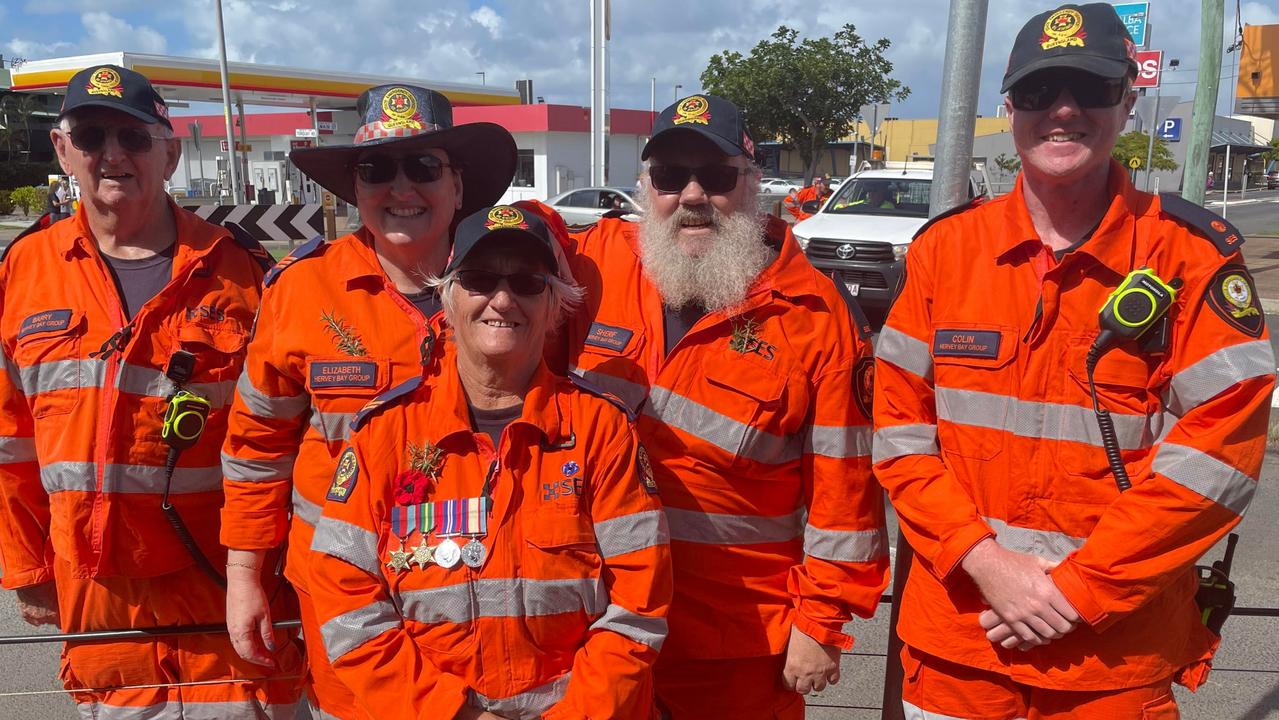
(744, 411)
(561, 566)
(218, 348)
(50, 365)
(974, 377)
(1122, 379)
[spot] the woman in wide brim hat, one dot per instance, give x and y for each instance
(340, 323)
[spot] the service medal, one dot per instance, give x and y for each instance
(447, 554)
(473, 554)
(422, 555)
(399, 561)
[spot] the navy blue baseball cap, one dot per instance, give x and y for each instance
(708, 116)
(118, 88)
(1088, 37)
(502, 221)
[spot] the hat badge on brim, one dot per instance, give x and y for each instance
(105, 81)
(505, 216)
(1063, 28)
(693, 109)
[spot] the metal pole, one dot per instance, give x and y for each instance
(226, 107)
(243, 154)
(1154, 124)
(652, 104)
(1225, 183)
(596, 110)
(961, 78)
(1211, 26)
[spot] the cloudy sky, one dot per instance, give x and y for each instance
(548, 40)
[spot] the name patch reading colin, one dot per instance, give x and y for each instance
(966, 343)
(607, 336)
(343, 374)
(47, 321)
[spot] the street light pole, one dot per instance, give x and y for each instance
(481, 74)
(226, 110)
(677, 89)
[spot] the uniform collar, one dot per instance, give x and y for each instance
(355, 253)
(1111, 244)
(541, 409)
(194, 237)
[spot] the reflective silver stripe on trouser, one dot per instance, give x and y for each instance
(247, 470)
(904, 351)
(320, 713)
(347, 542)
(305, 510)
(148, 381)
(262, 405)
(61, 375)
(332, 426)
(838, 441)
(1215, 373)
(643, 629)
(912, 712)
(630, 393)
(187, 710)
(82, 477)
(720, 529)
(845, 545)
(504, 598)
(1201, 473)
(17, 449)
(628, 533)
(528, 705)
(720, 430)
(1044, 543)
(1044, 421)
(350, 630)
(901, 440)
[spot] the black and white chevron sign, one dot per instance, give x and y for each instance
(268, 223)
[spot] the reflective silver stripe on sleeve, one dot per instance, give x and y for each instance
(1201, 473)
(150, 382)
(905, 352)
(1216, 373)
(188, 710)
(1047, 544)
(526, 705)
(332, 426)
(838, 441)
(305, 510)
(82, 477)
(350, 630)
(247, 470)
(259, 404)
(628, 392)
(643, 629)
(845, 545)
(1041, 420)
(914, 712)
(503, 598)
(628, 533)
(720, 529)
(17, 449)
(61, 375)
(349, 543)
(900, 440)
(724, 432)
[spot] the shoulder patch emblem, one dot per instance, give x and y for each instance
(344, 477)
(1232, 294)
(864, 385)
(645, 470)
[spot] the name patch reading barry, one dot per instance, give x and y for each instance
(607, 336)
(966, 343)
(345, 374)
(47, 321)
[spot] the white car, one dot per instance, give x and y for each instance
(778, 186)
(584, 206)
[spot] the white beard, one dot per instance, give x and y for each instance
(720, 277)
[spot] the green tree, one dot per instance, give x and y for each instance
(1273, 152)
(29, 198)
(1008, 165)
(1134, 145)
(805, 93)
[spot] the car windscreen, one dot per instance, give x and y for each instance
(882, 196)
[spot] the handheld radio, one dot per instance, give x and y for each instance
(184, 420)
(1136, 306)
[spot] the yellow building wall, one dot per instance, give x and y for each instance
(1257, 90)
(909, 139)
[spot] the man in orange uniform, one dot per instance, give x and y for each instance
(104, 318)
(752, 380)
(492, 545)
(341, 323)
(1040, 588)
(819, 191)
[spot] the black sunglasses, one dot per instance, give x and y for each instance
(717, 179)
(1041, 89)
(485, 282)
(92, 138)
(378, 169)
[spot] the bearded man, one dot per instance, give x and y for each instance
(749, 373)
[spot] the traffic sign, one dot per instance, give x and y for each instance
(1134, 162)
(1134, 17)
(306, 133)
(1149, 63)
(1170, 130)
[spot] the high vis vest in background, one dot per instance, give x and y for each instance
(757, 424)
(985, 428)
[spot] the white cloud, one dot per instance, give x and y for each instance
(488, 18)
(32, 50)
(106, 32)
